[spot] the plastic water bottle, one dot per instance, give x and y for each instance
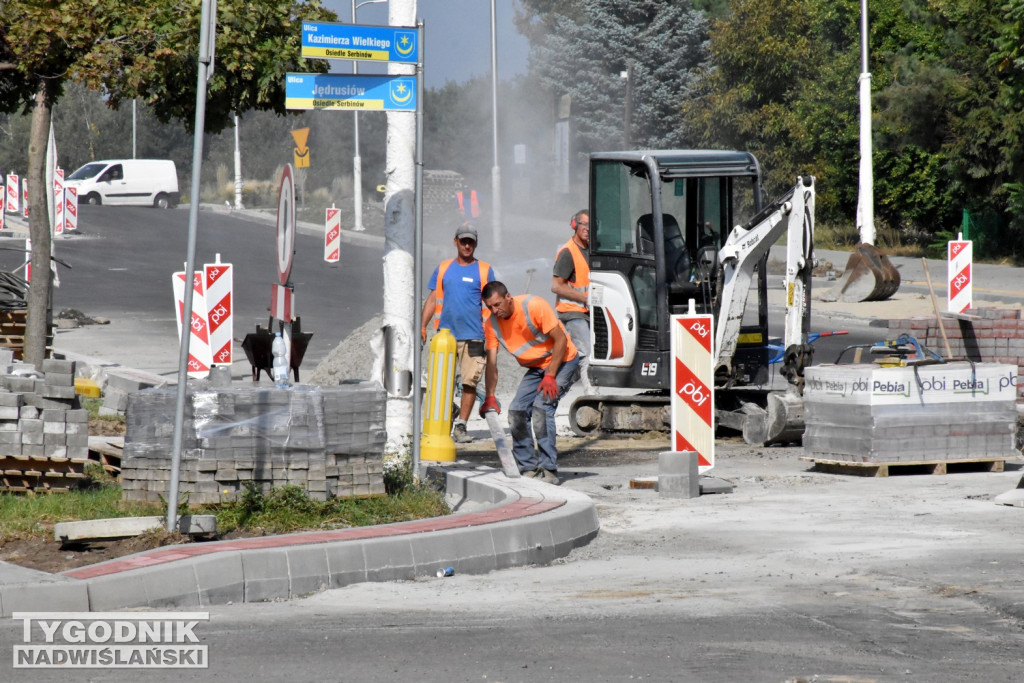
(280, 362)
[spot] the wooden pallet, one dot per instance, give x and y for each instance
(885, 469)
(40, 474)
(12, 332)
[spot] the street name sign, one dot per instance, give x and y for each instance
(344, 91)
(322, 40)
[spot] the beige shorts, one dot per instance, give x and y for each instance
(471, 368)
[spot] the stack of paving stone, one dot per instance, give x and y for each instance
(953, 411)
(44, 432)
(119, 383)
(329, 441)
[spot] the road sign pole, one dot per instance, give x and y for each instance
(417, 358)
(207, 29)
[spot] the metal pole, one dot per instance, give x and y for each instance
(133, 127)
(357, 162)
(206, 33)
(866, 194)
(496, 169)
(417, 357)
(238, 168)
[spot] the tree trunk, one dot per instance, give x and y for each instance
(399, 228)
(38, 315)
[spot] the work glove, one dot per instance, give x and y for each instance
(423, 334)
(490, 403)
(549, 387)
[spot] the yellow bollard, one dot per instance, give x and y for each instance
(436, 442)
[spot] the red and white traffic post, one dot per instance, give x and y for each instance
(71, 208)
(332, 235)
(219, 291)
(958, 267)
(13, 193)
(200, 357)
(58, 201)
(3, 210)
(693, 387)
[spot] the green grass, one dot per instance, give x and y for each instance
(22, 515)
(288, 509)
(282, 510)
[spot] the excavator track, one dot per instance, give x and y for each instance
(627, 414)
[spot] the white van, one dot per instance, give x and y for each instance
(146, 182)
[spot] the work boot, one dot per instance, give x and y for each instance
(531, 474)
(548, 477)
(459, 434)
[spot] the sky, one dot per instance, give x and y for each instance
(457, 37)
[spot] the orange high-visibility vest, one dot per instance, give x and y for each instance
(581, 279)
(474, 204)
(485, 270)
(523, 339)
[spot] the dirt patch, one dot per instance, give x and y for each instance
(102, 427)
(46, 554)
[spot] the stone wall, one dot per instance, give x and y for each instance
(329, 441)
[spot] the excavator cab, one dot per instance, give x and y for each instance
(658, 221)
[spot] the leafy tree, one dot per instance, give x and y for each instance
(133, 50)
(591, 42)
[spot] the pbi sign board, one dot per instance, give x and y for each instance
(342, 91)
(693, 392)
(958, 271)
(368, 43)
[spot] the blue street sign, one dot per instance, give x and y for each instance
(343, 91)
(322, 40)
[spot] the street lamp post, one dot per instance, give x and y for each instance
(496, 169)
(357, 162)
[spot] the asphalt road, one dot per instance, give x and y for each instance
(121, 260)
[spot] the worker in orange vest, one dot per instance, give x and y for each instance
(455, 299)
(529, 329)
(570, 283)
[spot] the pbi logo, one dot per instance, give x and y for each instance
(933, 384)
(694, 394)
(861, 385)
(700, 329)
(1008, 382)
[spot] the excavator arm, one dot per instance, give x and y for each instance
(792, 215)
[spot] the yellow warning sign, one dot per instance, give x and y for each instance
(301, 150)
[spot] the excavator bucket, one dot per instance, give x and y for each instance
(869, 276)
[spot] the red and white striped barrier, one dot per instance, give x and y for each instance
(58, 201)
(200, 358)
(71, 208)
(24, 198)
(332, 236)
(28, 260)
(693, 387)
(219, 286)
(3, 210)
(13, 193)
(958, 267)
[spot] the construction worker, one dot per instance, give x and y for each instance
(529, 329)
(570, 283)
(455, 299)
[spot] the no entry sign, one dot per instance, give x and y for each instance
(693, 393)
(285, 225)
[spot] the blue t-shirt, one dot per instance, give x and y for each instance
(460, 310)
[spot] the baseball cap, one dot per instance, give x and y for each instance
(466, 230)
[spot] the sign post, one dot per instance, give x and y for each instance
(693, 387)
